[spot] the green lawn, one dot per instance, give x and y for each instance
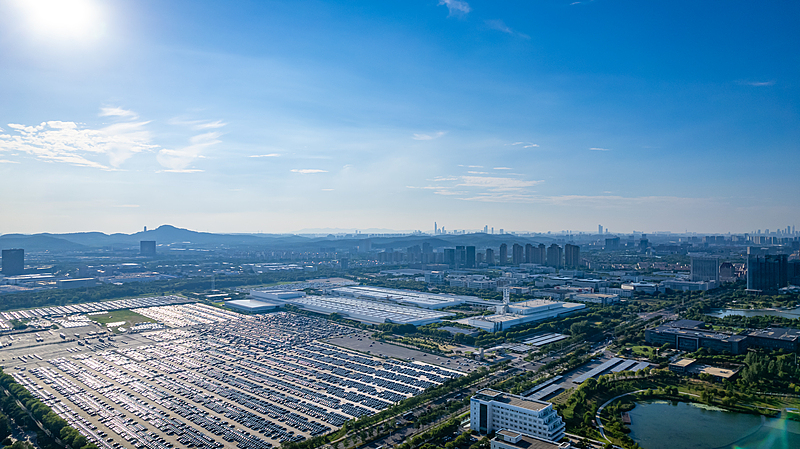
(644, 351)
(128, 316)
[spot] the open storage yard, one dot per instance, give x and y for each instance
(215, 379)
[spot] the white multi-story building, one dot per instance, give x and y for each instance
(493, 410)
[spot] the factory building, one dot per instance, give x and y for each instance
(518, 313)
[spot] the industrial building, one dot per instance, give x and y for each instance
(514, 314)
(76, 283)
(13, 262)
(492, 411)
(409, 297)
(690, 335)
(364, 310)
(251, 305)
(604, 299)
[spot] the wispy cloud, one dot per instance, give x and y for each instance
(503, 168)
(308, 171)
(435, 135)
(496, 183)
(477, 172)
(599, 149)
(265, 155)
(499, 25)
(526, 144)
(179, 160)
(74, 144)
(758, 83)
(6, 161)
(197, 125)
(456, 7)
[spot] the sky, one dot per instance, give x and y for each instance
(277, 116)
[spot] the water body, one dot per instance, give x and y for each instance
(682, 425)
(785, 313)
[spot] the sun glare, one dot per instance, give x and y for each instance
(68, 19)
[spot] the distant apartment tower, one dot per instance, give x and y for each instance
(517, 254)
(600, 229)
(147, 247)
(572, 255)
(503, 254)
(529, 253)
(555, 256)
(470, 257)
(612, 243)
(13, 262)
(767, 273)
(461, 257)
(489, 256)
(540, 254)
(705, 269)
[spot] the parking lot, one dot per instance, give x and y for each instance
(362, 342)
(234, 381)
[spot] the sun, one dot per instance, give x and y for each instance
(64, 19)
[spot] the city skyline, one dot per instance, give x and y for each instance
(282, 116)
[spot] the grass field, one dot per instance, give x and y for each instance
(128, 316)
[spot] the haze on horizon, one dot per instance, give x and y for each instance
(277, 116)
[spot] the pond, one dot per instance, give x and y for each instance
(785, 313)
(682, 425)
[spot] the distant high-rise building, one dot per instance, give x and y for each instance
(517, 254)
(767, 273)
(540, 254)
(572, 255)
(147, 247)
(470, 263)
(600, 229)
(450, 257)
(435, 229)
(555, 255)
(794, 273)
(486, 229)
(644, 243)
(503, 253)
(490, 256)
(612, 243)
(529, 253)
(13, 262)
(426, 248)
(461, 256)
(705, 269)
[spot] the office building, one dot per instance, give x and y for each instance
(13, 262)
(767, 273)
(461, 257)
(492, 411)
(705, 269)
(147, 247)
(794, 273)
(555, 256)
(690, 335)
(517, 255)
(489, 256)
(539, 254)
(503, 254)
(600, 229)
(470, 257)
(612, 243)
(450, 257)
(528, 253)
(572, 256)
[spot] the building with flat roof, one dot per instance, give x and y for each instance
(251, 305)
(518, 313)
(407, 297)
(76, 283)
(774, 338)
(493, 410)
(13, 262)
(705, 268)
(509, 439)
(604, 299)
(767, 273)
(147, 247)
(693, 338)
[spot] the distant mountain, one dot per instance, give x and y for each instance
(39, 242)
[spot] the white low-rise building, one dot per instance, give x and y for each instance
(492, 410)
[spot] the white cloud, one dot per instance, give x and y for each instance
(6, 161)
(456, 7)
(198, 125)
(178, 161)
(327, 190)
(526, 144)
(435, 135)
(599, 149)
(496, 183)
(477, 173)
(68, 142)
(499, 25)
(265, 155)
(503, 168)
(118, 112)
(308, 171)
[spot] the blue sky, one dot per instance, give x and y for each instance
(274, 116)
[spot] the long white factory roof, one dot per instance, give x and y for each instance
(421, 299)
